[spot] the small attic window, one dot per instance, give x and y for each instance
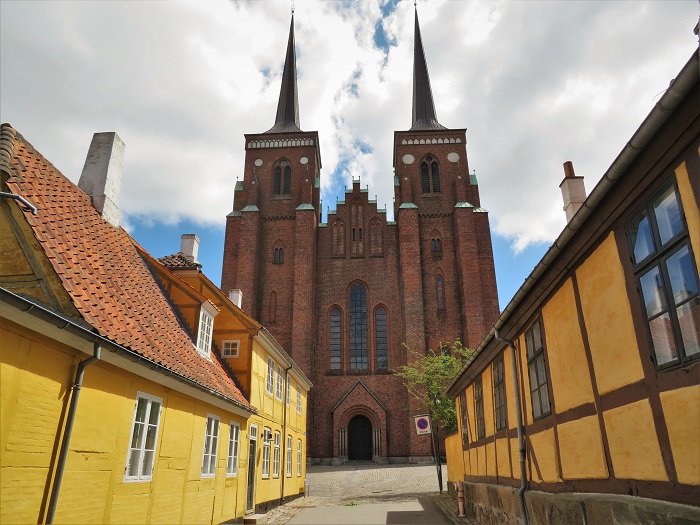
(230, 348)
(206, 328)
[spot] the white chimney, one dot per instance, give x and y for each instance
(236, 297)
(189, 246)
(572, 191)
(101, 178)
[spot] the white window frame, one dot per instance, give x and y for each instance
(270, 387)
(211, 445)
(278, 393)
(288, 388)
(234, 440)
(230, 348)
(145, 470)
(299, 457)
(276, 456)
(289, 456)
(204, 332)
(299, 399)
(266, 454)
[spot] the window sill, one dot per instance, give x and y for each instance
(286, 197)
(232, 475)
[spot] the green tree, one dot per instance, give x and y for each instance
(427, 377)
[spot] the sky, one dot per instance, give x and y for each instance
(536, 83)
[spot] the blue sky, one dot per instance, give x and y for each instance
(535, 83)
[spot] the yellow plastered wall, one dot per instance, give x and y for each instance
(473, 462)
(510, 389)
(527, 413)
(503, 457)
(455, 458)
(487, 385)
(690, 208)
(491, 459)
(608, 319)
(544, 454)
(471, 413)
(633, 442)
(581, 449)
(481, 461)
(570, 383)
(682, 414)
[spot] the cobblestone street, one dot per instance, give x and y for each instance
(389, 493)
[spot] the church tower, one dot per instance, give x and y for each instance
(343, 296)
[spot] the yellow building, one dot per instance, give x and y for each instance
(118, 403)
(584, 398)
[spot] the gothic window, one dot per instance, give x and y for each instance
(381, 338)
(435, 242)
(338, 237)
(272, 314)
(358, 327)
(376, 241)
(336, 338)
(278, 253)
(356, 224)
(440, 292)
(282, 178)
(430, 176)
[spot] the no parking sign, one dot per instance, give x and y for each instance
(422, 424)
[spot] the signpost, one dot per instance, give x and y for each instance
(423, 427)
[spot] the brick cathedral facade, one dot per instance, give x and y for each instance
(343, 296)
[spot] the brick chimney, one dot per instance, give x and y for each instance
(572, 191)
(189, 246)
(101, 178)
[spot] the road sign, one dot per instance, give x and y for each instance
(422, 424)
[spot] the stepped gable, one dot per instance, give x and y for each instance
(98, 265)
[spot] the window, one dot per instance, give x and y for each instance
(499, 392)
(278, 256)
(276, 457)
(144, 436)
(278, 394)
(667, 279)
(298, 399)
(234, 433)
(267, 436)
(206, 323)
(336, 339)
(537, 371)
(299, 457)
(358, 327)
(463, 418)
(289, 456)
(288, 386)
(430, 176)
(270, 386)
(440, 292)
(230, 348)
(479, 402)
(357, 247)
(436, 244)
(381, 338)
(211, 441)
(282, 185)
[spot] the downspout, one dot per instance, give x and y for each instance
(77, 385)
(519, 425)
(284, 429)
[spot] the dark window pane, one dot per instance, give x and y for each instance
(653, 292)
(277, 180)
(336, 345)
(287, 180)
(436, 177)
(425, 178)
(662, 339)
(668, 215)
(689, 321)
(680, 270)
(358, 327)
(381, 338)
(536, 410)
(642, 238)
(544, 398)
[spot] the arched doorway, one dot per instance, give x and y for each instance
(360, 438)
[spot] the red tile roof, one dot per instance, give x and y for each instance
(179, 261)
(109, 283)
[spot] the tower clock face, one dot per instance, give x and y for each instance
(453, 156)
(304, 160)
(258, 162)
(408, 158)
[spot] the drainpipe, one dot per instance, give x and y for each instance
(519, 424)
(77, 385)
(284, 430)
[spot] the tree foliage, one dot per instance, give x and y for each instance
(427, 377)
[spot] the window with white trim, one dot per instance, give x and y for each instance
(266, 453)
(211, 441)
(299, 457)
(288, 388)
(276, 457)
(230, 347)
(278, 394)
(144, 436)
(289, 456)
(234, 434)
(270, 387)
(206, 324)
(299, 399)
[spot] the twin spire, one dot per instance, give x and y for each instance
(424, 116)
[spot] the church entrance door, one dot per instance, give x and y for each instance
(360, 438)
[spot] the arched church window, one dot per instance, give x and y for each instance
(381, 339)
(440, 292)
(278, 253)
(358, 327)
(338, 237)
(336, 338)
(282, 185)
(376, 242)
(430, 176)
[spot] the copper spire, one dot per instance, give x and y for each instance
(424, 116)
(287, 118)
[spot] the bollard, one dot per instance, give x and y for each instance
(306, 487)
(460, 498)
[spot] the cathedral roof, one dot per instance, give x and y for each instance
(287, 118)
(424, 117)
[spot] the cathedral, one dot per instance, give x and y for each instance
(347, 297)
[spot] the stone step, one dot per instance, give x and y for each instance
(253, 518)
